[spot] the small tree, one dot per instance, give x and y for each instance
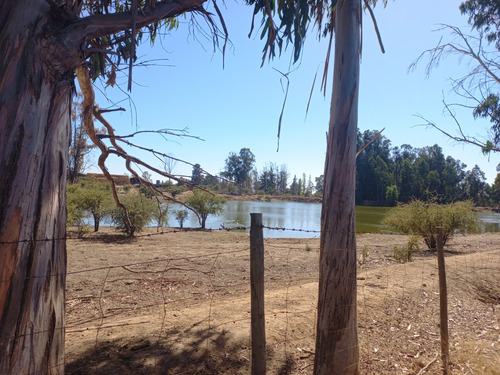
(422, 218)
(180, 216)
(89, 197)
(141, 212)
(160, 215)
(205, 204)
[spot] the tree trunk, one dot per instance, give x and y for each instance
(337, 341)
(97, 220)
(34, 138)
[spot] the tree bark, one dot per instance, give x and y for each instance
(40, 47)
(337, 341)
(35, 97)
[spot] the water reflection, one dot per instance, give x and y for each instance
(305, 217)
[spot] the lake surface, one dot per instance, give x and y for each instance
(300, 220)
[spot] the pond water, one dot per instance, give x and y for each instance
(301, 219)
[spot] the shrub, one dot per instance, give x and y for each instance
(365, 251)
(180, 216)
(141, 212)
(160, 215)
(205, 203)
(405, 253)
(422, 218)
(88, 197)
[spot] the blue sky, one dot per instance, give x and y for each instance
(239, 106)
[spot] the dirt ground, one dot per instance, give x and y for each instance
(179, 303)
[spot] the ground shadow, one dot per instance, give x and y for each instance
(202, 352)
(119, 238)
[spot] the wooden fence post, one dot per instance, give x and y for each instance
(443, 302)
(257, 295)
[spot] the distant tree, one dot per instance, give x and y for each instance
(319, 185)
(91, 197)
(300, 187)
(294, 187)
(422, 218)
(282, 179)
(452, 180)
(205, 204)
(391, 195)
(475, 186)
(238, 168)
(372, 167)
(408, 186)
(147, 176)
(180, 216)
(304, 184)
(268, 179)
(197, 175)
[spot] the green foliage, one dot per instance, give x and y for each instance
(391, 195)
(484, 15)
(422, 218)
(175, 190)
(141, 211)
(88, 197)
(197, 175)
(160, 215)
(205, 204)
(180, 216)
(238, 168)
(405, 253)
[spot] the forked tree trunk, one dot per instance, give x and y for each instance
(34, 138)
(337, 340)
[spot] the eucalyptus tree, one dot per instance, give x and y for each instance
(479, 89)
(238, 168)
(44, 43)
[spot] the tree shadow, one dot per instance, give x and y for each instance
(119, 238)
(190, 352)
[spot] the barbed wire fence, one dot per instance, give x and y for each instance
(161, 303)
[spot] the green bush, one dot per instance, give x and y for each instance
(141, 211)
(180, 216)
(205, 204)
(160, 215)
(86, 198)
(405, 253)
(422, 218)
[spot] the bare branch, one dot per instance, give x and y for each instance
(87, 112)
(369, 142)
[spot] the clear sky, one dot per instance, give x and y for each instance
(239, 105)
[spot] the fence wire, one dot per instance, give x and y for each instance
(179, 302)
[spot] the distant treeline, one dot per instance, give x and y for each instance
(385, 175)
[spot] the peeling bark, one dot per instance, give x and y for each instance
(34, 139)
(337, 349)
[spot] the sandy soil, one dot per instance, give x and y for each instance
(178, 303)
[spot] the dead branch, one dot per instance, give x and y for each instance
(82, 74)
(486, 146)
